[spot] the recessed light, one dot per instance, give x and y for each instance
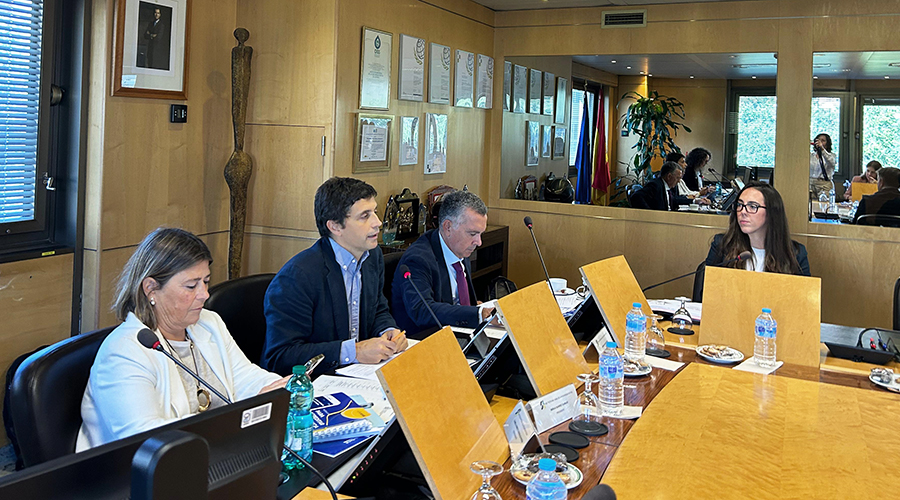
(651, 74)
(692, 77)
(846, 70)
(815, 77)
(613, 61)
(887, 77)
(627, 67)
(732, 56)
(753, 77)
(894, 65)
(642, 73)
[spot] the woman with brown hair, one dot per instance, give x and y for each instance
(870, 176)
(758, 223)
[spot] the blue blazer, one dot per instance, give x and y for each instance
(306, 308)
(425, 259)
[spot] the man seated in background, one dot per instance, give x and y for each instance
(438, 262)
(660, 194)
(886, 201)
(328, 298)
(682, 186)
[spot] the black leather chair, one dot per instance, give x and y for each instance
(391, 261)
(697, 294)
(897, 304)
(46, 394)
(240, 304)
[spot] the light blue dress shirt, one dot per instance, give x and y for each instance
(450, 258)
(351, 272)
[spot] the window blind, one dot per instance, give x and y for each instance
(21, 22)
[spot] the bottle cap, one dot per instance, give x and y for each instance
(299, 370)
(636, 304)
(767, 310)
(611, 344)
(547, 464)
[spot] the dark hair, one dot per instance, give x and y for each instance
(827, 141)
(696, 156)
(164, 253)
(889, 177)
(334, 199)
(674, 156)
(455, 202)
(667, 168)
(780, 256)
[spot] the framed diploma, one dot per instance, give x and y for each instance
(435, 143)
(439, 61)
(412, 69)
(559, 142)
(546, 140)
(375, 70)
(562, 87)
(535, 86)
(484, 82)
(549, 92)
(507, 85)
(532, 143)
(465, 79)
(409, 140)
(520, 88)
(373, 143)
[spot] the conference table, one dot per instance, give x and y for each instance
(709, 431)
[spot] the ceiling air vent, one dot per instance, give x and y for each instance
(624, 18)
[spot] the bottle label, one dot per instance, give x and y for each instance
(763, 331)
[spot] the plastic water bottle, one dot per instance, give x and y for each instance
(635, 334)
(546, 484)
(612, 378)
(299, 429)
(764, 347)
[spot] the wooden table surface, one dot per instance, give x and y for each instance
(696, 416)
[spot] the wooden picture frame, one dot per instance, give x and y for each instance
(151, 49)
(375, 54)
(373, 143)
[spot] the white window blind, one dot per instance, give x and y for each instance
(20, 74)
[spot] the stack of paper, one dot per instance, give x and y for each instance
(367, 372)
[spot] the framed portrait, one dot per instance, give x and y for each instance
(546, 140)
(151, 48)
(559, 142)
(373, 143)
(532, 143)
(375, 69)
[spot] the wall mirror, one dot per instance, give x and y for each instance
(728, 104)
(856, 102)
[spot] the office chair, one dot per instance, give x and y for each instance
(886, 220)
(240, 304)
(391, 261)
(46, 393)
(697, 294)
(897, 304)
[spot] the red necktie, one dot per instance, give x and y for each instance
(462, 287)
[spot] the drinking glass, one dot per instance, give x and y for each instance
(487, 469)
(588, 402)
(655, 338)
(681, 320)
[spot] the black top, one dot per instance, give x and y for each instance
(716, 254)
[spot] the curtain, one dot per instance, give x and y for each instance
(583, 163)
(601, 163)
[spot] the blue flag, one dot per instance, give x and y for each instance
(583, 163)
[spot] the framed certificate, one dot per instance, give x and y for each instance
(439, 74)
(465, 79)
(562, 87)
(435, 143)
(559, 142)
(507, 85)
(484, 82)
(535, 88)
(549, 92)
(532, 143)
(546, 140)
(375, 70)
(412, 69)
(409, 140)
(373, 143)
(520, 88)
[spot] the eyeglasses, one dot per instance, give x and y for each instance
(751, 207)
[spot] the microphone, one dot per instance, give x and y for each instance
(717, 174)
(745, 255)
(149, 340)
(600, 492)
(530, 227)
(404, 270)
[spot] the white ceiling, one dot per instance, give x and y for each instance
(715, 66)
(561, 4)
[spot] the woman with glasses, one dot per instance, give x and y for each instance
(758, 223)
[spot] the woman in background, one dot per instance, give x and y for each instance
(131, 388)
(870, 176)
(758, 223)
(695, 161)
(822, 163)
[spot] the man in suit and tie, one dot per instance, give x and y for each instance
(439, 264)
(660, 193)
(885, 201)
(328, 298)
(156, 35)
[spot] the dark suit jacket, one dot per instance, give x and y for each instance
(884, 202)
(653, 197)
(306, 308)
(425, 259)
(716, 254)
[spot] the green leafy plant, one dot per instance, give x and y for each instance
(654, 120)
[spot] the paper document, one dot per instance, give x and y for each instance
(367, 372)
(628, 413)
(665, 364)
(493, 332)
(749, 365)
(669, 306)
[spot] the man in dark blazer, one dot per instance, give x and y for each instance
(885, 201)
(660, 193)
(439, 264)
(328, 298)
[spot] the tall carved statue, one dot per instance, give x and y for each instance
(240, 165)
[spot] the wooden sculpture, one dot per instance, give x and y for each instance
(240, 165)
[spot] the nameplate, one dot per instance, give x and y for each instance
(519, 429)
(596, 345)
(554, 408)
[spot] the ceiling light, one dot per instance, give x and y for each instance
(613, 61)
(692, 77)
(887, 77)
(753, 77)
(894, 65)
(846, 70)
(732, 56)
(815, 77)
(651, 74)
(627, 67)
(642, 72)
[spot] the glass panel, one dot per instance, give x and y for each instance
(826, 119)
(756, 131)
(880, 138)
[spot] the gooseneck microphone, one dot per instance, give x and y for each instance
(745, 255)
(404, 270)
(530, 227)
(149, 340)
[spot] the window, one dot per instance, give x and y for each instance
(575, 123)
(880, 140)
(756, 130)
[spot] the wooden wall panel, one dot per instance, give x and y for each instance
(266, 250)
(36, 298)
(704, 112)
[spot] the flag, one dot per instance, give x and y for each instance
(602, 180)
(583, 163)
